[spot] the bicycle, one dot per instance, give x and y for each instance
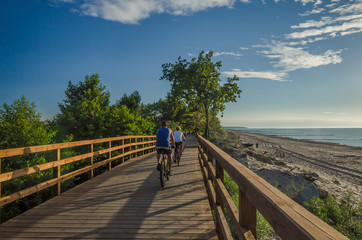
(178, 150)
(164, 170)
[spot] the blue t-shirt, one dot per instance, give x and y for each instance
(163, 137)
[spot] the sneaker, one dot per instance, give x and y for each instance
(158, 166)
(170, 173)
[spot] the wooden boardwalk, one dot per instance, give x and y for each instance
(125, 203)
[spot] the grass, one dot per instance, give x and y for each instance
(263, 228)
(344, 215)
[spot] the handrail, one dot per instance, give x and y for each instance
(288, 218)
(128, 146)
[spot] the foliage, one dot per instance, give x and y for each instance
(132, 102)
(83, 111)
(20, 125)
(196, 84)
(121, 122)
(264, 230)
(345, 216)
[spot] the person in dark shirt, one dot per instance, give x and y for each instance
(164, 135)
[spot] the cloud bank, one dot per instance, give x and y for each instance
(133, 11)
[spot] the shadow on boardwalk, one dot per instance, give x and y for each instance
(125, 203)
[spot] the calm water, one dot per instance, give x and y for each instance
(347, 136)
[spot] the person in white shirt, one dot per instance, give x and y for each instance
(179, 138)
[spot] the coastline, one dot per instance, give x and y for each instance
(338, 166)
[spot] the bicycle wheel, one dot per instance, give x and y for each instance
(178, 157)
(166, 168)
(163, 173)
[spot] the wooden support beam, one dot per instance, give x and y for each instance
(109, 155)
(90, 161)
(56, 173)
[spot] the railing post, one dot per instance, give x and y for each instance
(56, 173)
(109, 155)
(219, 172)
(247, 213)
(122, 151)
(90, 161)
(144, 151)
(209, 159)
(217, 199)
(1, 208)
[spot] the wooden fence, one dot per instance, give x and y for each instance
(117, 148)
(288, 219)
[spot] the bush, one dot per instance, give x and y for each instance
(345, 215)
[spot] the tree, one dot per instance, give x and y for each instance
(21, 125)
(84, 109)
(198, 84)
(132, 101)
(121, 123)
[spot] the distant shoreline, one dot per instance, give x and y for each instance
(340, 166)
(342, 136)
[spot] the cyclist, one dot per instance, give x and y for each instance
(179, 138)
(164, 135)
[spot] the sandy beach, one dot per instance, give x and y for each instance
(339, 166)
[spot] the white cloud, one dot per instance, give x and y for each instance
(132, 11)
(304, 2)
(314, 11)
(343, 20)
(216, 54)
(293, 58)
(334, 31)
(277, 76)
(355, 7)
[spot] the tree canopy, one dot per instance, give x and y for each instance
(21, 125)
(197, 84)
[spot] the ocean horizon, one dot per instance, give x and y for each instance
(346, 136)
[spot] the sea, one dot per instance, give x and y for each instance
(346, 136)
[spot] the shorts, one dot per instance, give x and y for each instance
(164, 151)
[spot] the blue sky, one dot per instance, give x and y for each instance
(299, 61)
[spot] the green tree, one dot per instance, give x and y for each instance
(21, 125)
(132, 101)
(84, 109)
(197, 83)
(122, 122)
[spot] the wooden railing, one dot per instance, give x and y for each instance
(288, 219)
(117, 148)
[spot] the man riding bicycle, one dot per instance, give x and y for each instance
(179, 138)
(163, 146)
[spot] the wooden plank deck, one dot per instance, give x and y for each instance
(125, 203)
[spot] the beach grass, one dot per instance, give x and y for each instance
(344, 215)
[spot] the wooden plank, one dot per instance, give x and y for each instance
(41, 186)
(56, 173)
(233, 211)
(50, 147)
(126, 202)
(225, 231)
(289, 219)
